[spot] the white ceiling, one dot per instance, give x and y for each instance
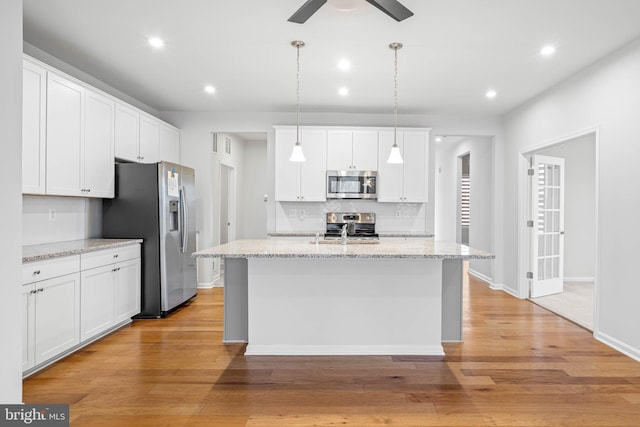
(454, 50)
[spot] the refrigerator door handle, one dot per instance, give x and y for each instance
(184, 220)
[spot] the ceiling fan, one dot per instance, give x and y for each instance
(393, 8)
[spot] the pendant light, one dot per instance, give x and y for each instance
(395, 156)
(296, 154)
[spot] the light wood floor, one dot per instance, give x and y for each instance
(520, 365)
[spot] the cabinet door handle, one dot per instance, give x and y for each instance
(41, 290)
(115, 256)
(36, 272)
(34, 291)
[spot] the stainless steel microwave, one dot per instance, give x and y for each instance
(352, 184)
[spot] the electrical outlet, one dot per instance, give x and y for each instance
(52, 214)
(293, 212)
(398, 212)
(301, 214)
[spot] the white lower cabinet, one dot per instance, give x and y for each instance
(110, 283)
(127, 290)
(51, 311)
(96, 301)
(70, 301)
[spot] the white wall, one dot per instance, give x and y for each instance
(580, 205)
(75, 218)
(606, 95)
(10, 194)
(481, 229)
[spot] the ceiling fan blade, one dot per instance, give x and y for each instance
(305, 12)
(393, 8)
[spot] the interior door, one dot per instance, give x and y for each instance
(547, 200)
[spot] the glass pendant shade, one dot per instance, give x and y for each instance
(296, 154)
(395, 157)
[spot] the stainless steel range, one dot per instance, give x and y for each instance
(356, 225)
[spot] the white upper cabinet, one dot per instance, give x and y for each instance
(98, 171)
(365, 150)
(65, 134)
(339, 150)
(127, 129)
(79, 140)
(416, 166)
(148, 151)
(169, 144)
(71, 133)
(301, 181)
(408, 181)
(137, 135)
(34, 108)
(352, 149)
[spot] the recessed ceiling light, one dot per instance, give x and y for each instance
(344, 64)
(156, 42)
(209, 89)
(548, 50)
(491, 94)
(343, 91)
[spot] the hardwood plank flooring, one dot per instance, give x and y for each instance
(520, 365)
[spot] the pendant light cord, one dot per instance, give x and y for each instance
(395, 96)
(298, 95)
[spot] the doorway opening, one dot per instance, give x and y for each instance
(464, 196)
(558, 249)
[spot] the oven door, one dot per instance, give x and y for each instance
(351, 185)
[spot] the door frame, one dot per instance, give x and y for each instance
(231, 199)
(525, 245)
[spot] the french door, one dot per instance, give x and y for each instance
(547, 202)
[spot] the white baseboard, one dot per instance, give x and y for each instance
(481, 276)
(509, 291)
(343, 350)
(578, 279)
(214, 283)
(206, 285)
(623, 348)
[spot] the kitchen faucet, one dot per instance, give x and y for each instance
(347, 228)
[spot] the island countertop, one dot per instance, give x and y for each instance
(277, 248)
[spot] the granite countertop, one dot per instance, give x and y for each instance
(71, 247)
(277, 248)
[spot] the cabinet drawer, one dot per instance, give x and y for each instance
(42, 270)
(109, 256)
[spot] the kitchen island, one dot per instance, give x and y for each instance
(384, 297)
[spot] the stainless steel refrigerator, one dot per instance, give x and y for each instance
(156, 202)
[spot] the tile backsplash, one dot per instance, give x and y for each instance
(390, 217)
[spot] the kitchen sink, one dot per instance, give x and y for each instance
(349, 241)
